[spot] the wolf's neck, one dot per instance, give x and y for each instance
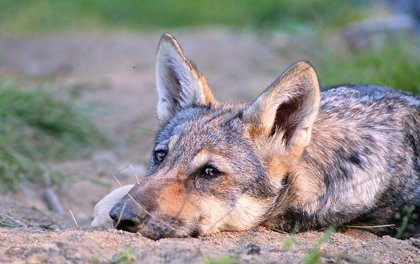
(335, 178)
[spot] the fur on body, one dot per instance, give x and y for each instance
(295, 157)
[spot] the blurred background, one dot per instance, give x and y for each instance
(77, 96)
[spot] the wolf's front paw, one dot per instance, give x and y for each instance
(104, 206)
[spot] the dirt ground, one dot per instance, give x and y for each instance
(115, 71)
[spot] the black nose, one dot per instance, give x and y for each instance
(124, 218)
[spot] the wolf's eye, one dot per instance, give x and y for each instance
(210, 171)
(160, 155)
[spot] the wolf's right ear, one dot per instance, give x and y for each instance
(179, 83)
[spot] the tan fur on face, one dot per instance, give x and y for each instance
(175, 201)
(201, 158)
(246, 212)
(213, 214)
(217, 216)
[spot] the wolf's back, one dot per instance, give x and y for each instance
(366, 144)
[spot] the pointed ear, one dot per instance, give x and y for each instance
(179, 83)
(287, 109)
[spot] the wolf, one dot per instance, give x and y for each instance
(296, 157)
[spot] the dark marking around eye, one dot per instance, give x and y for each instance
(160, 155)
(210, 172)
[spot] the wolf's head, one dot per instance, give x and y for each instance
(218, 166)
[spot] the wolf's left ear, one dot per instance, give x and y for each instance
(179, 83)
(287, 109)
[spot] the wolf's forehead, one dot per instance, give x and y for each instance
(205, 124)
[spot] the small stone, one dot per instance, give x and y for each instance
(329, 260)
(415, 242)
(15, 251)
(252, 249)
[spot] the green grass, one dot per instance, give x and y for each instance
(290, 243)
(38, 125)
(51, 15)
(407, 219)
(394, 65)
(314, 254)
(126, 255)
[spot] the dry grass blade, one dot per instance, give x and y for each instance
(74, 218)
(371, 227)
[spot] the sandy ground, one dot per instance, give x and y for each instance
(116, 71)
